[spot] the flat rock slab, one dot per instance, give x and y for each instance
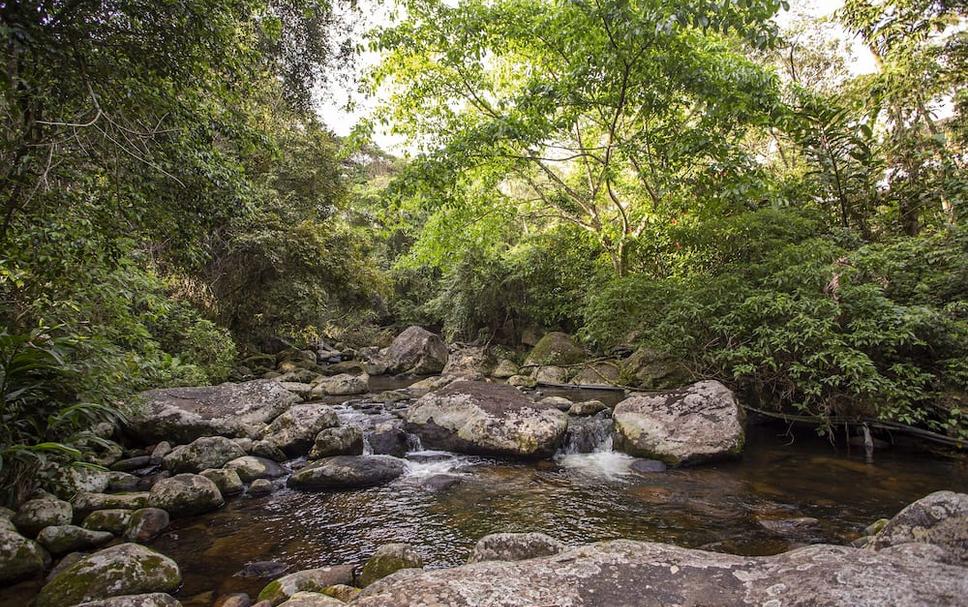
(347, 472)
(185, 414)
(625, 573)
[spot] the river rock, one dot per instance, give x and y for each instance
(514, 547)
(146, 524)
(341, 592)
(20, 557)
(227, 480)
(122, 481)
(342, 384)
(478, 417)
(61, 539)
(416, 351)
(555, 349)
(309, 580)
(185, 495)
(504, 369)
(341, 440)
(624, 572)
(647, 466)
(251, 467)
(114, 520)
(466, 362)
(236, 599)
(130, 464)
(311, 599)
(293, 431)
(650, 369)
(939, 519)
(388, 559)
(36, 514)
(701, 422)
(603, 373)
(85, 503)
(116, 571)
(153, 599)
(185, 414)
(587, 407)
(550, 375)
(260, 486)
(66, 481)
(347, 472)
(522, 381)
(203, 453)
(388, 438)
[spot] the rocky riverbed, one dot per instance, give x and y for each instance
(334, 483)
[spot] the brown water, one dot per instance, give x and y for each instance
(577, 498)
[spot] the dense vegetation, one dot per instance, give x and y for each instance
(677, 175)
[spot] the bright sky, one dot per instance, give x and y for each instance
(341, 119)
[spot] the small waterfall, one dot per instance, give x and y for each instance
(367, 447)
(588, 435)
(588, 450)
(414, 443)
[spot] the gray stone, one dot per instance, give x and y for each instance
(587, 407)
(388, 559)
(260, 486)
(293, 431)
(120, 570)
(122, 481)
(939, 519)
(347, 472)
(466, 362)
(555, 349)
(146, 524)
(36, 514)
(416, 351)
(342, 440)
(699, 423)
(309, 580)
(185, 495)
(185, 414)
(504, 370)
(522, 381)
(343, 384)
(20, 557)
(311, 599)
(388, 438)
(550, 375)
(154, 599)
(85, 503)
(226, 479)
(251, 467)
(485, 418)
(61, 539)
(203, 453)
(114, 520)
(603, 373)
(514, 547)
(67, 481)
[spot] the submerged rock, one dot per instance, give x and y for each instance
(185, 495)
(61, 539)
(252, 467)
(185, 414)
(20, 557)
(293, 431)
(416, 351)
(36, 514)
(203, 453)
(623, 572)
(477, 417)
(939, 519)
(347, 472)
(514, 547)
(388, 559)
(701, 422)
(120, 570)
(309, 580)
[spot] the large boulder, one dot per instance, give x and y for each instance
(467, 362)
(19, 557)
(184, 414)
(185, 495)
(85, 503)
(416, 351)
(67, 481)
(36, 514)
(203, 453)
(341, 440)
(627, 573)
(293, 432)
(342, 384)
(347, 472)
(514, 547)
(228, 481)
(251, 467)
(309, 580)
(939, 519)
(650, 369)
(388, 559)
(478, 417)
(602, 373)
(61, 539)
(701, 422)
(116, 571)
(555, 349)
(146, 524)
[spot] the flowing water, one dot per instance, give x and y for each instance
(588, 492)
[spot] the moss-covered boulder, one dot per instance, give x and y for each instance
(504, 369)
(347, 472)
(86, 503)
(293, 432)
(342, 440)
(61, 539)
(252, 467)
(67, 481)
(146, 524)
(650, 369)
(416, 351)
(309, 580)
(113, 520)
(227, 480)
(388, 559)
(20, 557)
(185, 495)
(342, 592)
(36, 514)
(556, 349)
(116, 571)
(203, 453)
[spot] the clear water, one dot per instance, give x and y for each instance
(577, 498)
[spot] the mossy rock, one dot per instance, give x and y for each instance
(113, 520)
(309, 580)
(556, 349)
(388, 559)
(20, 557)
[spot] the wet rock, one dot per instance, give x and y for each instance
(388, 559)
(347, 471)
(477, 417)
(36, 514)
(555, 349)
(61, 539)
(622, 572)
(260, 486)
(237, 599)
(309, 580)
(587, 407)
(647, 466)
(160, 450)
(113, 521)
(342, 440)
(122, 481)
(440, 482)
(522, 381)
(185, 495)
(20, 557)
(341, 592)
(145, 483)
(227, 480)
(699, 423)
(604, 373)
(939, 519)
(185, 414)
(66, 561)
(311, 599)
(154, 599)
(85, 503)
(788, 526)
(263, 569)
(504, 370)
(251, 467)
(550, 375)
(131, 464)
(514, 547)
(293, 431)
(343, 384)
(268, 451)
(203, 453)
(416, 351)
(116, 571)
(388, 438)
(146, 524)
